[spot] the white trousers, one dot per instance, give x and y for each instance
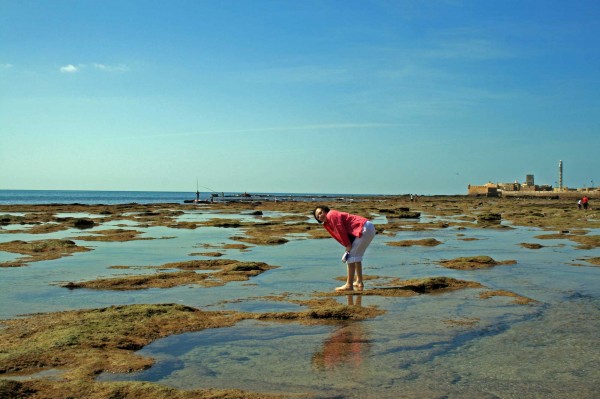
(360, 244)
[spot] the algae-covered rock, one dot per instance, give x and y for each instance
(85, 343)
(83, 224)
(426, 242)
(518, 299)
(595, 261)
(225, 270)
(118, 235)
(405, 215)
(40, 250)
(261, 240)
(531, 245)
(473, 262)
(489, 218)
(408, 288)
(437, 284)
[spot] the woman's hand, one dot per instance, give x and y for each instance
(348, 248)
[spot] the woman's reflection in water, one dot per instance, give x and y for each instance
(347, 345)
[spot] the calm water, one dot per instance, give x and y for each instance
(8, 197)
(549, 349)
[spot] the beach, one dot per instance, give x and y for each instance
(464, 297)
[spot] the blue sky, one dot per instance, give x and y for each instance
(345, 96)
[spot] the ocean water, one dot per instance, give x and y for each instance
(9, 197)
(452, 345)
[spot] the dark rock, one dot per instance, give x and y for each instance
(84, 223)
(408, 215)
(489, 217)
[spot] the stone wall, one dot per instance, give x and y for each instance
(542, 194)
(487, 190)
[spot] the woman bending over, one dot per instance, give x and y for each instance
(355, 233)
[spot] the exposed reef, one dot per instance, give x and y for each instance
(119, 235)
(39, 250)
(426, 242)
(531, 245)
(474, 262)
(224, 270)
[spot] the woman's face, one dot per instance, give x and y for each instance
(320, 215)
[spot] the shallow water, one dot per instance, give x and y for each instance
(445, 345)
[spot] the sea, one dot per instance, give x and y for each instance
(91, 197)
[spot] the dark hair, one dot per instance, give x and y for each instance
(324, 208)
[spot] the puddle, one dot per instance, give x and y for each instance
(424, 347)
(9, 256)
(78, 215)
(52, 374)
(251, 354)
(204, 217)
(121, 223)
(15, 227)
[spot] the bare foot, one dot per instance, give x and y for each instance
(359, 286)
(345, 287)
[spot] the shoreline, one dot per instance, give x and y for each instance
(316, 198)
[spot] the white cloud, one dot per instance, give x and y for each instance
(111, 68)
(97, 66)
(6, 66)
(69, 69)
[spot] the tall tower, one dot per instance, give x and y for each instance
(529, 180)
(560, 175)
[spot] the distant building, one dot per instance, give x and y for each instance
(489, 190)
(516, 186)
(512, 189)
(529, 180)
(496, 189)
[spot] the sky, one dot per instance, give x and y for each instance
(302, 96)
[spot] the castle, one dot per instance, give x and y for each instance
(529, 188)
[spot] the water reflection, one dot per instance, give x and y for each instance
(348, 344)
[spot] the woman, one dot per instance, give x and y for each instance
(355, 233)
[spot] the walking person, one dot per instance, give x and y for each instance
(354, 233)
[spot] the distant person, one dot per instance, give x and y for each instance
(584, 202)
(354, 233)
(579, 204)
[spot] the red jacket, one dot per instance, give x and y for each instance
(341, 224)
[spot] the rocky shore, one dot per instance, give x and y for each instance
(74, 347)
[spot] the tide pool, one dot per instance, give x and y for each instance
(454, 344)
